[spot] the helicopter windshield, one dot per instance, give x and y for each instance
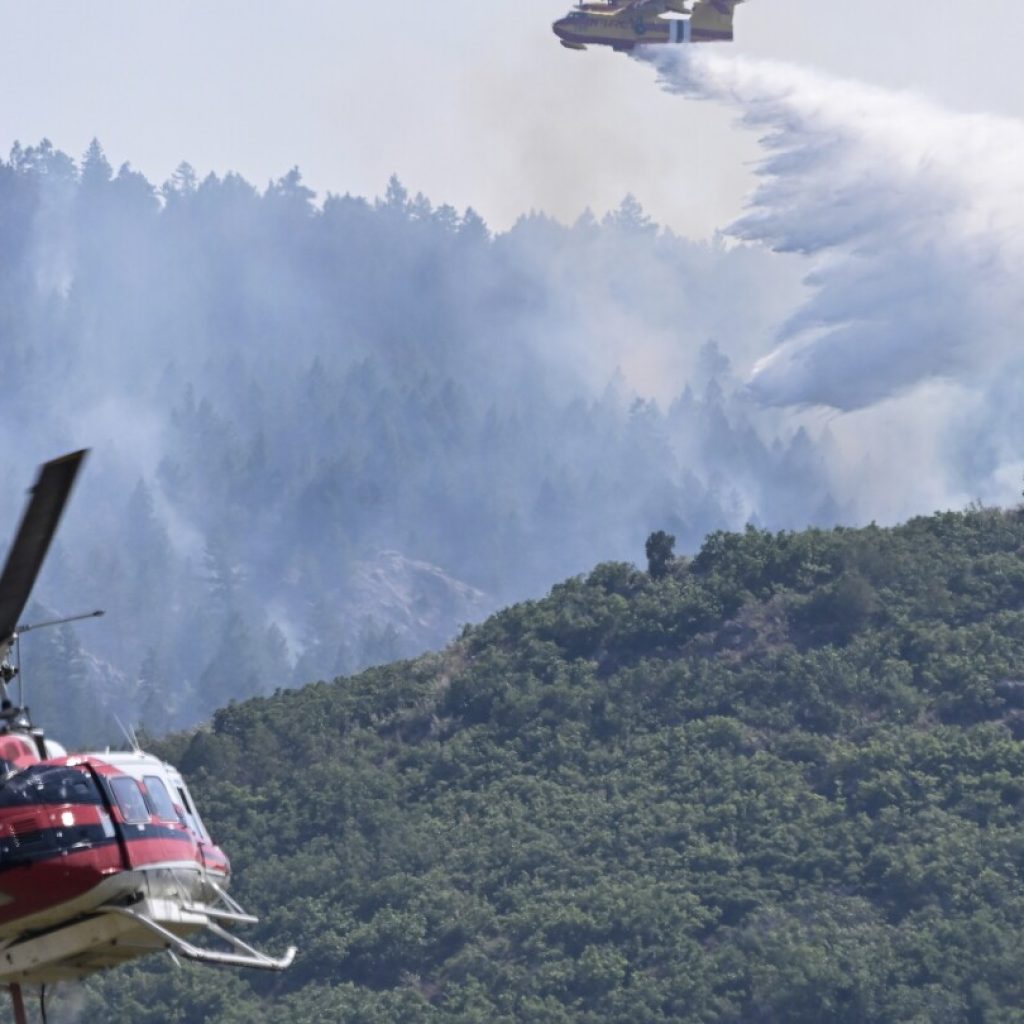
(129, 799)
(159, 799)
(49, 784)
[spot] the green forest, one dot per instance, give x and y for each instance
(781, 780)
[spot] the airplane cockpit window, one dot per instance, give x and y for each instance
(159, 799)
(130, 800)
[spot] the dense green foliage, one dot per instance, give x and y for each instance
(784, 782)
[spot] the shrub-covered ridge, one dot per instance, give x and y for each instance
(783, 782)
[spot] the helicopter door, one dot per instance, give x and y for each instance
(189, 814)
(133, 812)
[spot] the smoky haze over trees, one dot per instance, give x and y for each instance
(327, 433)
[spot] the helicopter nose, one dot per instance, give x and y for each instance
(558, 28)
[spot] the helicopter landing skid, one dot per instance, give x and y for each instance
(245, 955)
(113, 935)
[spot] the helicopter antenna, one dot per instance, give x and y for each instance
(29, 627)
(129, 735)
(15, 670)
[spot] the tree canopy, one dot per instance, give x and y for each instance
(782, 781)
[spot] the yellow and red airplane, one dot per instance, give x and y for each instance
(624, 24)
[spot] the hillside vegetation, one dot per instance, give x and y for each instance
(783, 782)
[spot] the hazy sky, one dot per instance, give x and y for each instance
(471, 101)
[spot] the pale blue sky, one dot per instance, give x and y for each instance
(475, 103)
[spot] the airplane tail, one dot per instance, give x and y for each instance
(712, 20)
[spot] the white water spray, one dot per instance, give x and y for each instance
(912, 221)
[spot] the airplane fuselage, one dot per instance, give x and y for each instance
(624, 27)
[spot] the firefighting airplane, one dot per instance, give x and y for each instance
(624, 24)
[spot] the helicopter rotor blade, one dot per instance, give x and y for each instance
(32, 541)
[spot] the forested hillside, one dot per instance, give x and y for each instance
(780, 781)
(328, 431)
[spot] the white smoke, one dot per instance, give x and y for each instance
(911, 218)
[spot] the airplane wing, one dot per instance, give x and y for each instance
(671, 6)
(724, 8)
(705, 8)
(713, 18)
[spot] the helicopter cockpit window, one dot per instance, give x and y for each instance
(130, 800)
(49, 784)
(192, 818)
(159, 799)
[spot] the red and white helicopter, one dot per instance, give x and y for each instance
(103, 856)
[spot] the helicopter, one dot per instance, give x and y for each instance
(103, 856)
(625, 24)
